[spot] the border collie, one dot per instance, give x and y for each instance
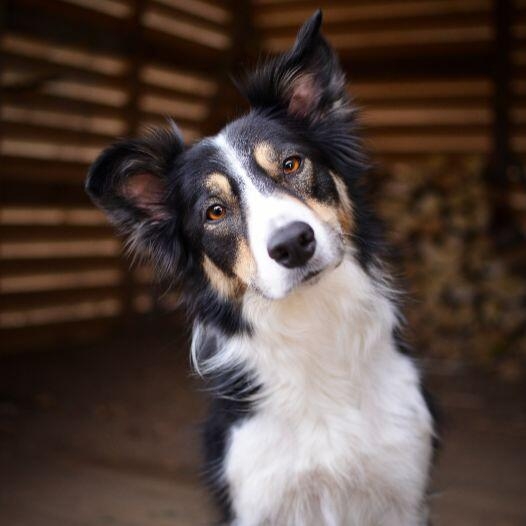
(317, 417)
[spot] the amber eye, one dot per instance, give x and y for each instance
(291, 165)
(215, 212)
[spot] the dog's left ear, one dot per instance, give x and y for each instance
(307, 81)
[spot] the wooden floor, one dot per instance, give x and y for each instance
(109, 437)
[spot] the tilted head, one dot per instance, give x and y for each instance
(267, 205)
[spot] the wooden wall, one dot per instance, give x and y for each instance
(78, 73)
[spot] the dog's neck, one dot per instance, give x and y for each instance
(320, 337)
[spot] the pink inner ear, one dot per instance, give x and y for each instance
(146, 191)
(304, 96)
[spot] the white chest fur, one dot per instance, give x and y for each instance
(341, 434)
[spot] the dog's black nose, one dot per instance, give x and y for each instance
(292, 245)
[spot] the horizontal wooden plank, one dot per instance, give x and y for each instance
(430, 62)
(16, 168)
(210, 11)
(172, 79)
(393, 131)
(339, 26)
(22, 267)
(394, 39)
(459, 91)
(44, 232)
(60, 280)
(39, 71)
(206, 18)
(114, 8)
(159, 18)
(188, 96)
(41, 300)
(63, 120)
(105, 307)
(68, 11)
(60, 249)
(51, 151)
(37, 133)
(56, 336)
(181, 110)
(49, 52)
(274, 14)
(423, 116)
(52, 102)
(445, 144)
(38, 214)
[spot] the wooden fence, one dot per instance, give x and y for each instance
(443, 77)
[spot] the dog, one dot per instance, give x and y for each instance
(317, 415)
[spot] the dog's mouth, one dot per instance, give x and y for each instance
(311, 276)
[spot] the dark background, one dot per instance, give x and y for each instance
(98, 412)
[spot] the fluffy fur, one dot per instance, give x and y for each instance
(317, 417)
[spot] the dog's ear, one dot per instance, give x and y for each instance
(307, 81)
(129, 182)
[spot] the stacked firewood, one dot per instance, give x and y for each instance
(467, 294)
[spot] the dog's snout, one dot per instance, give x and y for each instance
(292, 245)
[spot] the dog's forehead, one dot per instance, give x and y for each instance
(245, 153)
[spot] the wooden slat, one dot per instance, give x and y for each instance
(60, 120)
(16, 267)
(59, 248)
(449, 22)
(210, 11)
(396, 39)
(54, 232)
(194, 18)
(158, 18)
(66, 56)
(52, 151)
(31, 132)
(106, 306)
(22, 301)
(290, 13)
(59, 335)
(51, 102)
(444, 144)
(460, 91)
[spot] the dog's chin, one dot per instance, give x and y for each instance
(300, 279)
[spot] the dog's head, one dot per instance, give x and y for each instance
(267, 204)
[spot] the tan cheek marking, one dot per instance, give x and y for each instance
(327, 213)
(226, 286)
(219, 183)
(345, 210)
(245, 266)
(267, 158)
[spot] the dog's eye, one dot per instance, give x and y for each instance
(291, 164)
(215, 212)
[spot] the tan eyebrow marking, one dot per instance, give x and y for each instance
(325, 212)
(267, 158)
(217, 182)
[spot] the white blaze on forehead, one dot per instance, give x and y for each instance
(265, 214)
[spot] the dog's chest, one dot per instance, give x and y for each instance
(319, 452)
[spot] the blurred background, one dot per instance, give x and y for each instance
(98, 411)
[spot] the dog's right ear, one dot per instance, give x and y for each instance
(129, 179)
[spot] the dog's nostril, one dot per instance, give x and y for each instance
(293, 245)
(306, 237)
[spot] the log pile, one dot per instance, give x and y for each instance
(467, 297)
